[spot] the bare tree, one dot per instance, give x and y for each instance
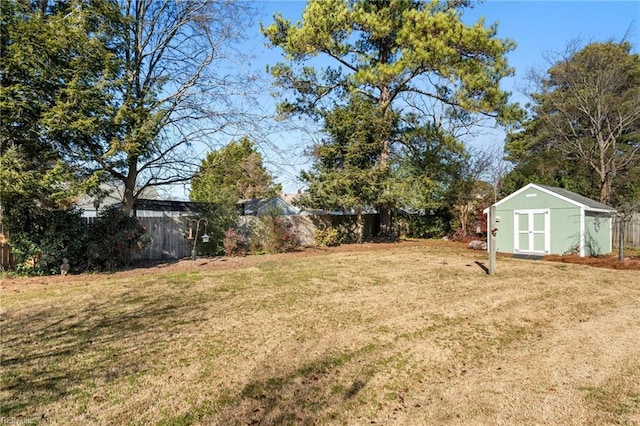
(587, 106)
(497, 170)
(470, 190)
(170, 81)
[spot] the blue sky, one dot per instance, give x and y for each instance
(540, 27)
(537, 27)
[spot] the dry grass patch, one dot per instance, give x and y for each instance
(400, 334)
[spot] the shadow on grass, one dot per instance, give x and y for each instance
(303, 396)
(48, 354)
(482, 266)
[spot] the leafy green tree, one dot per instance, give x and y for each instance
(46, 48)
(232, 173)
(405, 55)
(114, 88)
(225, 176)
(44, 51)
(583, 132)
(429, 159)
(347, 173)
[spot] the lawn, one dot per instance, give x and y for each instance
(391, 334)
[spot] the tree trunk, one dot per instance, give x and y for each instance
(384, 211)
(605, 190)
(386, 222)
(384, 155)
(360, 226)
(464, 214)
(129, 196)
(128, 199)
(491, 239)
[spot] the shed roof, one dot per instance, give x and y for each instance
(576, 199)
(170, 205)
(588, 203)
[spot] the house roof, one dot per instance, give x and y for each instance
(114, 193)
(257, 206)
(564, 194)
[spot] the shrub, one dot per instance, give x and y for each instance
(220, 217)
(235, 244)
(115, 239)
(273, 234)
(434, 223)
(327, 237)
(40, 240)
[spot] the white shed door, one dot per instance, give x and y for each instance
(531, 231)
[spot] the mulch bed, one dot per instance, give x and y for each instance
(607, 261)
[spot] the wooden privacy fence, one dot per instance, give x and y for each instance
(631, 231)
(6, 259)
(168, 234)
(168, 238)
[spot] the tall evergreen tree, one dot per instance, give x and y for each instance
(347, 173)
(46, 50)
(404, 55)
(232, 173)
(225, 176)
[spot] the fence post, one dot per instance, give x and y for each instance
(621, 240)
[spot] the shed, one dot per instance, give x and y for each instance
(540, 220)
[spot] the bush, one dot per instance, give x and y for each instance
(434, 224)
(115, 239)
(273, 234)
(327, 237)
(40, 240)
(235, 244)
(220, 218)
